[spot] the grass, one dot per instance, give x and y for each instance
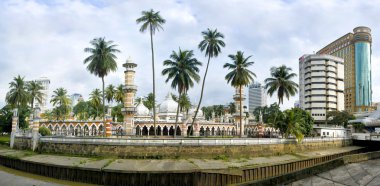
(4, 140)
(221, 157)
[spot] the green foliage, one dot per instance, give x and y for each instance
(148, 101)
(340, 118)
(35, 92)
(218, 110)
(44, 131)
(6, 119)
(81, 110)
(231, 108)
(358, 127)
(62, 102)
(17, 95)
(116, 113)
(295, 122)
(267, 112)
(239, 76)
(211, 45)
(281, 82)
(110, 93)
(119, 94)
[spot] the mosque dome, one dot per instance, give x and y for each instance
(192, 112)
(168, 105)
(142, 110)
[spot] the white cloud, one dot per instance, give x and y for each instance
(46, 38)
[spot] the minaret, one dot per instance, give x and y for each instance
(237, 105)
(129, 96)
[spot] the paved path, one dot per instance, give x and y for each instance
(364, 173)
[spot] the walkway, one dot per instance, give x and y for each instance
(364, 173)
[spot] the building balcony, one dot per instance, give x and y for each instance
(129, 88)
(237, 97)
(128, 109)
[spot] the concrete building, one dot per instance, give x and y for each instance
(75, 98)
(257, 96)
(355, 49)
(321, 85)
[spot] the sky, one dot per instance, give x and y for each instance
(46, 38)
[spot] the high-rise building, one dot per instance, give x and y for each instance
(45, 83)
(321, 85)
(355, 49)
(257, 96)
(75, 98)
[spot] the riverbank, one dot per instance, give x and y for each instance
(190, 171)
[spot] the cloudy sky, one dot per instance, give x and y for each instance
(46, 38)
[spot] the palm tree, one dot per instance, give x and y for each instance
(35, 92)
(18, 94)
(183, 71)
(96, 100)
(211, 44)
(239, 76)
(148, 101)
(281, 82)
(61, 100)
(153, 21)
(102, 60)
(110, 93)
(293, 124)
(119, 94)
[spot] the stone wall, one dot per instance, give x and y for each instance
(186, 151)
(23, 143)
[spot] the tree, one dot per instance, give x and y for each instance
(149, 101)
(340, 118)
(231, 108)
(153, 21)
(101, 61)
(6, 118)
(18, 95)
(116, 113)
(35, 92)
(119, 94)
(61, 101)
(266, 112)
(211, 44)
(110, 93)
(239, 76)
(281, 82)
(81, 110)
(293, 123)
(96, 101)
(182, 70)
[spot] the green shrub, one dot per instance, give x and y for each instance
(44, 131)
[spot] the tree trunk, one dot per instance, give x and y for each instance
(241, 114)
(200, 99)
(104, 107)
(176, 117)
(154, 82)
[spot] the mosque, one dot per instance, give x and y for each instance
(138, 119)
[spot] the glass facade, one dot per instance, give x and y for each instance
(363, 74)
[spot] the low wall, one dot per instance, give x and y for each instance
(264, 175)
(23, 143)
(294, 171)
(186, 148)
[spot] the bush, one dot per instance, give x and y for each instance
(44, 131)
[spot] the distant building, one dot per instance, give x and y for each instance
(321, 85)
(355, 49)
(45, 82)
(297, 104)
(257, 96)
(75, 98)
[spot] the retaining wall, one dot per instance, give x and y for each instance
(23, 143)
(186, 148)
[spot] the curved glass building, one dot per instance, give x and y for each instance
(355, 49)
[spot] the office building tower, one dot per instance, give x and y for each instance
(355, 49)
(321, 85)
(257, 96)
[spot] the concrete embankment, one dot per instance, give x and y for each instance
(191, 171)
